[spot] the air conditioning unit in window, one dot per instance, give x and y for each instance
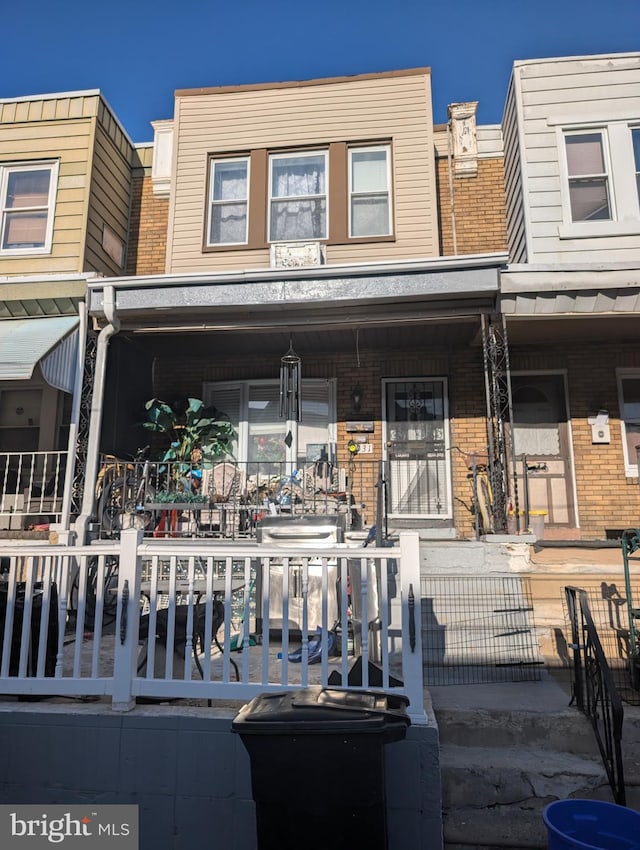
(296, 255)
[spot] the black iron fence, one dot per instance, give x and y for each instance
(594, 690)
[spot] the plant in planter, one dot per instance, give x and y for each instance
(198, 437)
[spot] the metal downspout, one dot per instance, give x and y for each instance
(97, 406)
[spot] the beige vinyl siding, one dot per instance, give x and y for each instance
(556, 93)
(358, 110)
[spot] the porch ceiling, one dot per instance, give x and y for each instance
(530, 330)
(440, 334)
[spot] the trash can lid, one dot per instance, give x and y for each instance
(319, 710)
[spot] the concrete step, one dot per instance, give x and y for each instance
(566, 731)
(494, 796)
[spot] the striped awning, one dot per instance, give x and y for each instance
(50, 341)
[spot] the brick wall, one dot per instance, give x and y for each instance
(606, 498)
(147, 247)
(479, 208)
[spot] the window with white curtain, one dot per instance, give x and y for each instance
(228, 201)
(253, 408)
(588, 174)
(369, 195)
(298, 196)
(27, 195)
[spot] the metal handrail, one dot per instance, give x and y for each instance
(594, 691)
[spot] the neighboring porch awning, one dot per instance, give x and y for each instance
(51, 341)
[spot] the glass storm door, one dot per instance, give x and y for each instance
(416, 427)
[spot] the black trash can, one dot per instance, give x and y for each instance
(318, 766)
(51, 651)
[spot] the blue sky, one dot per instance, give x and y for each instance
(139, 51)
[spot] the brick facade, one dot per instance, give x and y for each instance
(479, 208)
(148, 229)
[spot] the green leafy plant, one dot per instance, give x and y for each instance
(198, 437)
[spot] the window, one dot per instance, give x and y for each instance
(635, 137)
(339, 193)
(369, 201)
(629, 394)
(27, 194)
(588, 177)
(228, 201)
(253, 408)
(599, 167)
(298, 196)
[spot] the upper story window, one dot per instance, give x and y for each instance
(335, 194)
(599, 180)
(228, 201)
(27, 195)
(588, 176)
(369, 192)
(298, 197)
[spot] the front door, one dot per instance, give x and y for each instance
(416, 422)
(541, 441)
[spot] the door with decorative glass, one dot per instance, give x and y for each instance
(542, 442)
(416, 439)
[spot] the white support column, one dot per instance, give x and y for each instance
(412, 672)
(127, 620)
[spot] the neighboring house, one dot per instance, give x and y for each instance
(66, 169)
(571, 293)
(329, 216)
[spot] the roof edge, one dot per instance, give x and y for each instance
(316, 81)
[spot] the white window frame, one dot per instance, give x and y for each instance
(351, 195)
(630, 464)
(5, 171)
(324, 152)
(636, 162)
(291, 452)
(620, 168)
(213, 202)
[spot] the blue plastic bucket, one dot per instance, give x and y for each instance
(591, 825)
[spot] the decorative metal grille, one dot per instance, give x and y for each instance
(497, 376)
(86, 396)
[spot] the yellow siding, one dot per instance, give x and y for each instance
(95, 160)
(352, 110)
(69, 143)
(109, 203)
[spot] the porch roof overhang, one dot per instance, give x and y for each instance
(51, 342)
(324, 296)
(586, 301)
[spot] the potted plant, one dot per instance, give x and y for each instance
(198, 437)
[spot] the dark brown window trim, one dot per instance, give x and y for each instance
(337, 194)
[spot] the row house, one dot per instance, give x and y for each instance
(449, 294)
(570, 293)
(329, 222)
(66, 177)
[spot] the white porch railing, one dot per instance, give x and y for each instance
(209, 621)
(31, 488)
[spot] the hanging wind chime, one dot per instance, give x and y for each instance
(290, 386)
